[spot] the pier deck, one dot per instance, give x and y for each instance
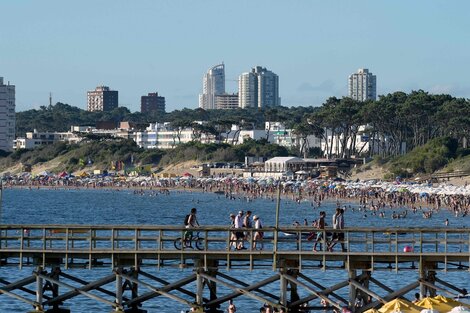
(286, 250)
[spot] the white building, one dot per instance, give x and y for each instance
(258, 88)
(362, 143)
(284, 164)
(213, 83)
(288, 138)
(363, 85)
(34, 139)
(164, 136)
(7, 116)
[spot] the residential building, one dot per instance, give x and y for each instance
(226, 101)
(258, 89)
(35, 139)
(102, 99)
(363, 85)
(213, 83)
(7, 116)
(152, 103)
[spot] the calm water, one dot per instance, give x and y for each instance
(124, 207)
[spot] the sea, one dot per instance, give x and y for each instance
(126, 207)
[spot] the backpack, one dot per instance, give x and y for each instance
(186, 220)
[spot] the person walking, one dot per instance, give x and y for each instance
(320, 227)
(233, 237)
(338, 224)
(247, 224)
(239, 230)
(259, 234)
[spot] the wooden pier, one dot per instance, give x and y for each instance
(129, 250)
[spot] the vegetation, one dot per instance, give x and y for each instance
(425, 159)
(435, 128)
(106, 154)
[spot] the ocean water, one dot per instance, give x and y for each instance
(109, 207)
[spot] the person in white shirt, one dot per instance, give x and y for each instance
(239, 235)
(258, 236)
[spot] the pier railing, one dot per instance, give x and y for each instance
(73, 245)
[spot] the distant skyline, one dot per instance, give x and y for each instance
(166, 46)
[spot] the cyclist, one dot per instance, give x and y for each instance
(191, 223)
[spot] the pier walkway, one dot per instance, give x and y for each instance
(287, 251)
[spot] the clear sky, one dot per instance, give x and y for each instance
(136, 47)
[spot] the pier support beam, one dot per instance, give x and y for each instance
(133, 287)
(352, 289)
(212, 270)
(54, 289)
(427, 274)
(39, 292)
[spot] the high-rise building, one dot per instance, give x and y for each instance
(152, 103)
(258, 89)
(7, 116)
(213, 83)
(226, 101)
(102, 99)
(362, 85)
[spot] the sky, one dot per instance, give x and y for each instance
(166, 46)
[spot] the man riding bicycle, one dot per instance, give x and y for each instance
(191, 222)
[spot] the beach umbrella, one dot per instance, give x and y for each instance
(434, 304)
(450, 301)
(400, 305)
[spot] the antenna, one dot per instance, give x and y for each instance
(50, 100)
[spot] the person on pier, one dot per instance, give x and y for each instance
(259, 234)
(191, 223)
(320, 227)
(239, 230)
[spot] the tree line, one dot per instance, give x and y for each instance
(395, 123)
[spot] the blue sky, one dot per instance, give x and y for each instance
(136, 47)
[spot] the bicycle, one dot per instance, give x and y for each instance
(182, 243)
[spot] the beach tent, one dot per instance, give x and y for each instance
(450, 301)
(434, 304)
(397, 305)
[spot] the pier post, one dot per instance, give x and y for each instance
(54, 289)
(427, 273)
(133, 287)
(39, 292)
(212, 285)
(352, 289)
(294, 295)
(199, 287)
(118, 300)
(283, 288)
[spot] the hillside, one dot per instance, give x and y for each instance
(111, 154)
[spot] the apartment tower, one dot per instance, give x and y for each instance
(213, 83)
(152, 103)
(258, 89)
(102, 99)
(362, 85)
(7, 116)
